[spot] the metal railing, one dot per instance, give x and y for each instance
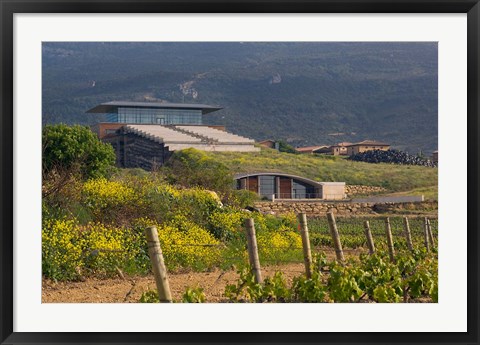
(308, 196)
(297, 195)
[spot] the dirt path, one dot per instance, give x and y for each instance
(130, 289)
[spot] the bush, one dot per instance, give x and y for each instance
(191, 295)
(123, 200)
(309, 290)
(108, 200)
(241, 198)
(273, 289)
(278, 246)
(76, 148)
(277, 237)
(106, 248)
(70, 250)
(193, 168)
(226, 223)
(285, 147)
(62, 249)
(185, 244)
(197, 204)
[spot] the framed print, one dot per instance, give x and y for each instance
(268, 171)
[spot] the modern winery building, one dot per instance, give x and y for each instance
(144, 134)
(275, 185)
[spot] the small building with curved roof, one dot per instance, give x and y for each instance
(277, 185)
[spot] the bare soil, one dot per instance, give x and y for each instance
(130, 289)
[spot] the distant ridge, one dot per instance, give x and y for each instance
(298, 92)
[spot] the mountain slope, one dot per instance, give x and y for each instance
(306, 93)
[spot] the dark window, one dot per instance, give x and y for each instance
(302, 190)
(267, 185)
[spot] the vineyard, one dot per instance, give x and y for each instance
(405, 272)
(101, 235)
(100, 223)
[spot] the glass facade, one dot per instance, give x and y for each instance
(112, 117)
(267, 185)
(158, 116)
(280, 186)
(302, 190)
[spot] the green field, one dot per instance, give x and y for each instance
(415, 180)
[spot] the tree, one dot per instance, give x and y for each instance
(284, 147)
(75, 150)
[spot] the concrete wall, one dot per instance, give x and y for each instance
(339, 150)
(105, 128)
(352, 150)
(319, 208)
(333, 191)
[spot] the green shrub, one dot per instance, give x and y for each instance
(184, 244)
(193, 168)
(273, 289)
(149, 296)
(285, 147)
(76, 148)
(110, 200)
(193, 295)
(309, 290)
(241, 198)
(227, 223)
(62, 249)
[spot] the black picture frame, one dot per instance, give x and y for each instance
(9, 7)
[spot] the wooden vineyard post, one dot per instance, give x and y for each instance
(253, 250)
(158, 265)
(388, 230)
(408, 234)
(336, 237)
(430, 233)
(307, 254)
(368, 234)
(425, 233)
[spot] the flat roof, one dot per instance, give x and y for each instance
(342, 144)
(310, 148)
(111, 107)
(370, 142)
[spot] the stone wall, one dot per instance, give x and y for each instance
(362, 190)
(317, 208)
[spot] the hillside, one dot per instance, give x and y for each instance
(305, 93)
(398, 179)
